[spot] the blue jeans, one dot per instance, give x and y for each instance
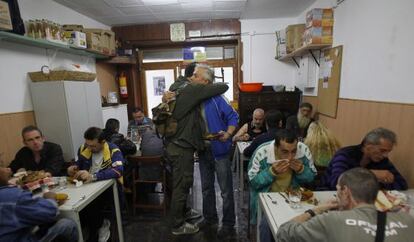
(209, 165)
(265, 232)
(64, 230)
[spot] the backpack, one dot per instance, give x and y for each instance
(165, 124)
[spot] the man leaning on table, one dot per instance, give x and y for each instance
(357, 219)
(277, 165)
(29, 219)
(372, 154)
(38, 154)
(97, 158)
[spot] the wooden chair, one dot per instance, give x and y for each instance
(136, 180)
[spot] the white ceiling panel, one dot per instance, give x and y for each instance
(134, 10)
(124, 3)
(231, 6)
(170, 8)
(118, 12)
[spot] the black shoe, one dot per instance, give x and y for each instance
(226, 232)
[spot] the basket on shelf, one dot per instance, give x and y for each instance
(40, 76)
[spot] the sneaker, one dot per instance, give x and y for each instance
(191, 214)
(104, 231)
(186, 228)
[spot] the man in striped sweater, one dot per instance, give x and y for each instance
(371, 154)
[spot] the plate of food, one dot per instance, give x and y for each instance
(212, 136)
(61, 198)
(391, 201)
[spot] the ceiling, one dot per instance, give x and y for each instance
(126, 12)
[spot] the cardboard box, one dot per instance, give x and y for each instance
(294, 35)
(76, 38)
(319, 13)
(107, 40)
(318, 40)
(318, 31)
(5, 19)
(72, 27)
(93, 41)
(320, 23)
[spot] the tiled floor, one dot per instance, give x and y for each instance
(151, 227)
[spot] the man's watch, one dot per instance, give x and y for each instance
(310, 212)
(94, 178)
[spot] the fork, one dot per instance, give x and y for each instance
(271, 199)
(286, 200)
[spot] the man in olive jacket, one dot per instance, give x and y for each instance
(181, 146)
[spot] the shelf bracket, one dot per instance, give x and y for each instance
(294, 60)
(314, 58)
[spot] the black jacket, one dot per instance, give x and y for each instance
(51, 159)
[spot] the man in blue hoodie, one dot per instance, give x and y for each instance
(220, 123)
(21, 215)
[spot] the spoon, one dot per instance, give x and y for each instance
(271, 199)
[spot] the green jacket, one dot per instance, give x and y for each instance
(188, 115)
(261, 178)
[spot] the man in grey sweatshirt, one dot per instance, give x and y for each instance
(356, 219)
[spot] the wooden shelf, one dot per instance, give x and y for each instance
(302, 50)
(128, 60)
(41, 43)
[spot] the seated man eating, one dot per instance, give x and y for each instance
(20, 214)
(371, 154)
(278, 165)
(38, 154)
(97, 158)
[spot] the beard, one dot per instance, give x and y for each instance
(303, 121)
(257, 125)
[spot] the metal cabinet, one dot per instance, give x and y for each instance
(64, 110)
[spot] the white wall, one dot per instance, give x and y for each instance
(259, 51)
(377, 58)
(16, 60)
(377, 48)
(377, 38)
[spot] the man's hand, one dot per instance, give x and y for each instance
(84, 176)
(224, 136)
(243, 137)
(72, 170)
(21, 170)
(168, 96)
(296, 165)
(280, 166)
(49, 195)
(384, 176)
(329, 205)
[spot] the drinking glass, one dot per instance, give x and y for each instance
(295, 195)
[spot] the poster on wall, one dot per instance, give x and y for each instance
(159, 85)
(156, 83)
